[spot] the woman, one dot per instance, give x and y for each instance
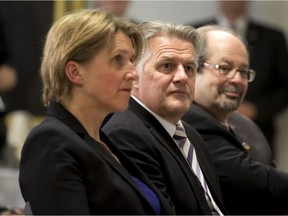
(87, 72)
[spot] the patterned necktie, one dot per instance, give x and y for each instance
(190, 154)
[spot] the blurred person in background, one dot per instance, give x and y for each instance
(8, 81)
(25, 23)
(267, 95)
(118, 8)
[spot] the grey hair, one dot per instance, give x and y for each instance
(152, 29)
(203, 32)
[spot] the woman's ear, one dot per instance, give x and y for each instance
(73, 73)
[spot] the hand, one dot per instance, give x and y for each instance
(248, 109)
(8, 78)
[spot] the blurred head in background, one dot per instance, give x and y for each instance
(117, 8)
(232, 10)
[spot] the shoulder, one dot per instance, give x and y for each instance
(52, 128)
(194, 111)
(128, 131)
(199, 118)
(251, 137)
(242, 120)
(54, 139)
(126, 120)
(266, 29)
(246, 126)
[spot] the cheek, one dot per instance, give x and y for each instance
(107, 85)
(113, 79)
(200, 84)
(245, 89)
(192, 83)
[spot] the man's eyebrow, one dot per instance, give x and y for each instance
(232, 63)
(226, 61)
(191, 62)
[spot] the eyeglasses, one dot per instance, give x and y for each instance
(229, 71)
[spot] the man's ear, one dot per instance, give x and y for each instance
(73, 73)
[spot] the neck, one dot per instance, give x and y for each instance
(232, 17)
(90, 118)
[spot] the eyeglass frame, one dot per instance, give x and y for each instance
(250, 73)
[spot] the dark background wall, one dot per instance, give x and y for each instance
(25, 25)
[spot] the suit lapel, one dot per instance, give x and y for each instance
(159, 132)
(164, 139)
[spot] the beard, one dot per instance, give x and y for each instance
(230, 103)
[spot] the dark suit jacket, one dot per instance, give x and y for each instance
(144, 139)
(251, 137)
(64, 171)
(4, 55)
(248, 186)
(269, 90)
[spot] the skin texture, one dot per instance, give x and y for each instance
(166, 82)
(217, 94)
(102, 84)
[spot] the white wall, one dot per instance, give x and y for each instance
(270, 12)
(179, 11)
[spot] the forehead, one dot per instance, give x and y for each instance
(171, 46)
(225, 45)
(120, 39)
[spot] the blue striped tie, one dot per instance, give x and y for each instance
(190, 153)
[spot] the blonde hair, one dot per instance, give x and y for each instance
(79, 36)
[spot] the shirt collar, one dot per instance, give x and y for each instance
(169, 127)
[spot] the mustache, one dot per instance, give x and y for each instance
(231, 88)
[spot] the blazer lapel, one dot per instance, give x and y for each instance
(159, 132)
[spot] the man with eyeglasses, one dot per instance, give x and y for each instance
(249, 183)
(266, 100)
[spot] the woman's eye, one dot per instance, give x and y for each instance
(118, 58)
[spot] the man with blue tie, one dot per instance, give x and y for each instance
(170, 152)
